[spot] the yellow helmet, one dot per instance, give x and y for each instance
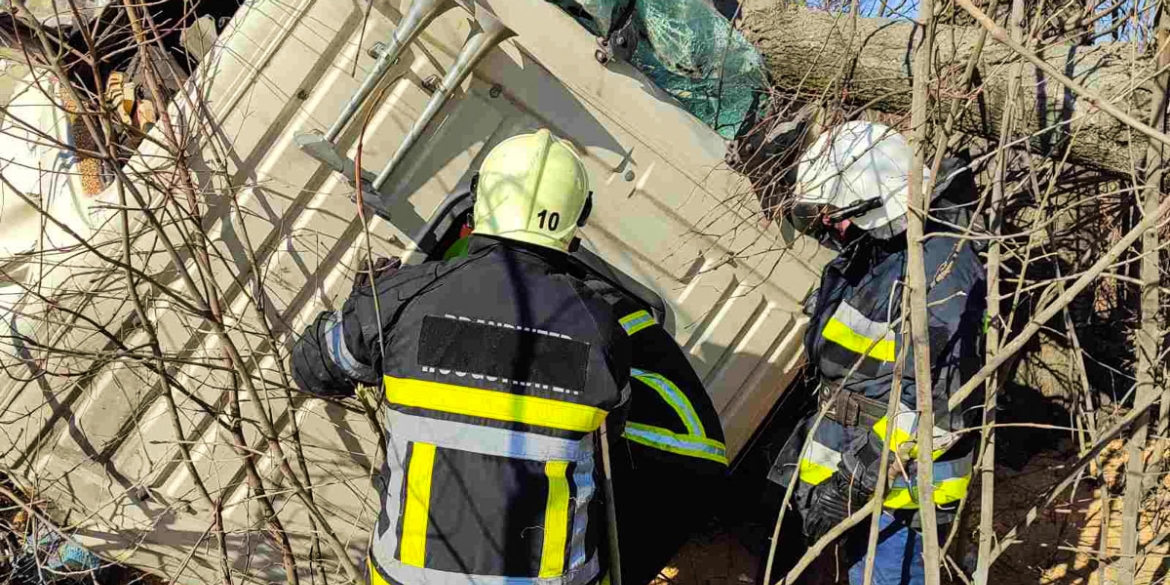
(532, 188)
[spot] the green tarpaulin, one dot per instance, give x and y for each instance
(688, 49)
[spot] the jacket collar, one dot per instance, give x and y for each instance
(866, 254)
(491, 244)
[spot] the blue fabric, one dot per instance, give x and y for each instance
(54, 553)
(898, 555)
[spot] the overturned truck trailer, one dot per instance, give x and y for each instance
(123, 438)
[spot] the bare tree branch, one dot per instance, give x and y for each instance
(919, 203)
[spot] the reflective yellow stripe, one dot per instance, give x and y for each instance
(901, 499)
(376, 578)
(814, 473)
(899, 437)
(951, 490)
(556, 520)
(947, 491)
(840, 333)
(902, 436)
(672, 442)
(675, 398)
(818, 462)
(637, 321)
(418, 502)
(531, 410)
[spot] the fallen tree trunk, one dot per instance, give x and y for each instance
(868, 63)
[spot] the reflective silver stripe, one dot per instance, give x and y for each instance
(943, 470)
(907, 420)
(488, 440)
(637, 321)
(405, 428)
(339, 353)
(667, 440)
(861, 324)
(821, 455)
(412, 575)
(674, 397)
(583, 480)
(386, 542)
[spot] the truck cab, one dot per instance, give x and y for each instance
(672, 226)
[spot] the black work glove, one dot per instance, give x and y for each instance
(836, 498)
(382, 266)
(831, 502)
(313, 370)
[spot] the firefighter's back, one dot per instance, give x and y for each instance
(499, 370)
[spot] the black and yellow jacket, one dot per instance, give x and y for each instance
(670, 465)
(499, 368)
(853, 340)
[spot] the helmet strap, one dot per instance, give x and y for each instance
(586, 210)
(473, 188)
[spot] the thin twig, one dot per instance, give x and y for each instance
(879, 492)
(1059, 303)
(987, 439)
(919, 202)
(817, 548)
(999, 34)
(1044, 500)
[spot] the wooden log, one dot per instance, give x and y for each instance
(869, 63)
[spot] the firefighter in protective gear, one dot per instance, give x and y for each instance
(851, 192)
(670, 464)
(499, 369)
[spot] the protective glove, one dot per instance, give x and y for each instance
(836, 498)
(831, 502)
(313, 370)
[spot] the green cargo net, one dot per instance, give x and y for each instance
(688, 49)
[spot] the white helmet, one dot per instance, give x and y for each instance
(860, 167)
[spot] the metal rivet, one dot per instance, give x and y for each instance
(601, 56)
(496, 90)
(629, 176)
(302, 94)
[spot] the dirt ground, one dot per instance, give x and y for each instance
(1064, 544)
(719, 557)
